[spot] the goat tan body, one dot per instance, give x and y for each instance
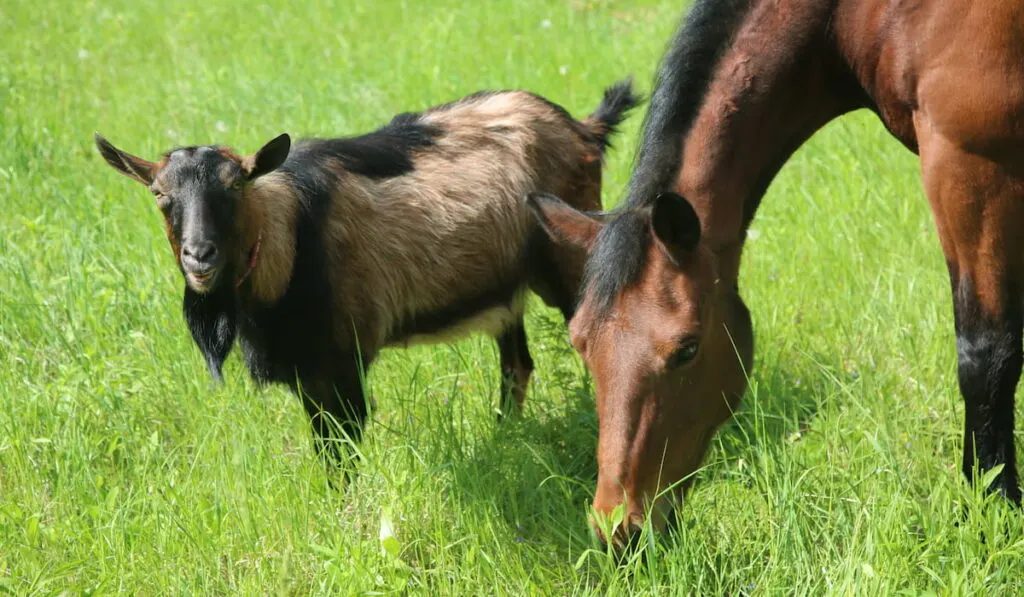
(453, 228)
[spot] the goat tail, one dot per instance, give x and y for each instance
(618, 100)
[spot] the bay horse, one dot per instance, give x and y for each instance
(743, 84)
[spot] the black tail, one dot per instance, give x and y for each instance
(618, 100)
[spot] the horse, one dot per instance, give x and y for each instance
(743, 84)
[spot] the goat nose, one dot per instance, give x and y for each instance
(201, 253)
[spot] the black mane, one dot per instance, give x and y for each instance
(683, 79)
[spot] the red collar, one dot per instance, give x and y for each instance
(254, 254)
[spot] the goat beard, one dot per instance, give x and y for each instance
(212, 317)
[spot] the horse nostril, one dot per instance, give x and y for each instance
(203, 253)
(624, 542)
(624, 539)
(633, 533)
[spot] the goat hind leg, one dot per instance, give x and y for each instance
(516, 368)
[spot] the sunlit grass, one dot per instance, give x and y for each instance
(123, 470)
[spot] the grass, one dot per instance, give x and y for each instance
(122, 470)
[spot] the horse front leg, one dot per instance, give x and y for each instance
(989, 365)
(978, 203)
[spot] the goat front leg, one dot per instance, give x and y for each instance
(337, 408)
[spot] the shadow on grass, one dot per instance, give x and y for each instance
(538, 472)
(781, 402)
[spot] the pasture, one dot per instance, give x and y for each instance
(123, 470)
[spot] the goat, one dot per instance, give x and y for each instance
(318, 256)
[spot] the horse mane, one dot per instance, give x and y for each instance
(682, 82)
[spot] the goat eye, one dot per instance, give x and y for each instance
(163, 202)
(686, 353)
(237, 185)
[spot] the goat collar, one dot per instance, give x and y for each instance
(254, 254)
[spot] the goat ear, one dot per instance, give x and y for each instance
(133, 167)
(268, 158)
(675, 225)
(562, 222)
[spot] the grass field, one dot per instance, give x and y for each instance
(124, 471)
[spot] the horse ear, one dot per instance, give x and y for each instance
(268, 158)
(676, 226)
(561, 222)
(133, 167)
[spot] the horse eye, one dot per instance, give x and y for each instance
(686, 353)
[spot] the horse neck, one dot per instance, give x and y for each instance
(778, 82)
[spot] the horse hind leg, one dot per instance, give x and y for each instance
(978, 205)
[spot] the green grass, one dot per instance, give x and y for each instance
(122, 470)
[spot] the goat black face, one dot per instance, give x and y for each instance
(199, 190)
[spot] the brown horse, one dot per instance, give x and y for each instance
(744, 83)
